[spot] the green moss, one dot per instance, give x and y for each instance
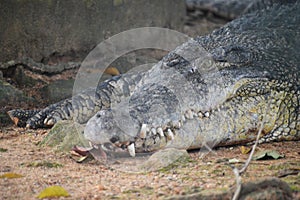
(143, 190)
(45, 164)
(293, 181)
(181, 162)
(282, 166)
(89, 3)
(117, 2)
(3, 150)
(295, 188)
(217, 171)
(64, 135)
(191, 190)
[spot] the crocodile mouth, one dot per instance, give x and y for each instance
(104, 152)
(115, 142)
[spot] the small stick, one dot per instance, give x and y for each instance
(237, 172)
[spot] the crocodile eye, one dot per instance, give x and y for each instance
(192, 70)
(98, 115)
(114, 139)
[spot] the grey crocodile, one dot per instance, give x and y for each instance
(219, 89)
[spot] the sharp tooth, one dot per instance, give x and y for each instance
(200, 115)
(94, 146)
(103, 147)
(183, 118)
(179, 124)
(189, 114)
(131, 150)
(153, 130)
(170, 134)
(176, 124)
(195, 114)
(143, 131)
(160, 132)
(206, 114)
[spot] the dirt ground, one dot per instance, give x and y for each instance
(42, 167)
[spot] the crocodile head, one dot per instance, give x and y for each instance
(204, 99)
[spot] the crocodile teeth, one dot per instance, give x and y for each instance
(153, 131)
(177, 125)
(131, 150)
(183, 118)
(200, 115)
(93, 145)
(143, 131)
(170, 134)
(206, 114)
(189, 114)
(160, 132)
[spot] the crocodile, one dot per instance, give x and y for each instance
(218, 89)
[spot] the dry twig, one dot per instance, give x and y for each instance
(238, 172)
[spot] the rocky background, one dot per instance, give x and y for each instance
(42, 43)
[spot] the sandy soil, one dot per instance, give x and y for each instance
(42, 167)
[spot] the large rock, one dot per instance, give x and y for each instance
(9, 98)
(54, 30)
(58, 90)
(9, 93)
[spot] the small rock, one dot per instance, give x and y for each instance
(164, 158)
(58, 90)
(269, 188)
(64, 135)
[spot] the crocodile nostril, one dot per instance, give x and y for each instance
(114, 139)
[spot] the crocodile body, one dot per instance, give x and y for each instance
(217, 89)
